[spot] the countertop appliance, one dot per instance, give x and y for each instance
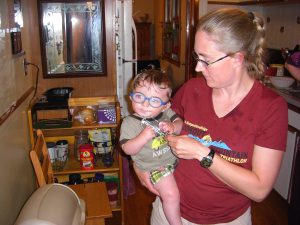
(52, 111)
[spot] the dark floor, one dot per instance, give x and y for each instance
(272, 211)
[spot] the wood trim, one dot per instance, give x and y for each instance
(192, 17)
(294, 108)
(14, 106)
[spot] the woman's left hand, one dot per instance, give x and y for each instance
(187, 148)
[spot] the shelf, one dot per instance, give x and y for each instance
(68, 133)
(73, 166)
(71, 130)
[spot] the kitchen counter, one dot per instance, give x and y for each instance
(287, 183)
(291, 98)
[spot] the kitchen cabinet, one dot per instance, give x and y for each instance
(294, 206)
(72, 165)
(294, 185)
(286, 177)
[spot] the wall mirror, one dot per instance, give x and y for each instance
(72, 35)
(171, 31)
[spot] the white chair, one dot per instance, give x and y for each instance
(52, 204)
(94, 203)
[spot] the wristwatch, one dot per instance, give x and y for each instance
(207, 160)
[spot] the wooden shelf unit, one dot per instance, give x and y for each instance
(73, 165)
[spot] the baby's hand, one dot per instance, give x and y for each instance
(148, 133)
(167, 127)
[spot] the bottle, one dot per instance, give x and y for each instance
(99, 177)
(81, 138)
(86, 157)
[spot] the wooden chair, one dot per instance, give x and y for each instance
(93, 194)
(41, 161)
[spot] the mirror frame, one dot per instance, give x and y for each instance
(42, 34)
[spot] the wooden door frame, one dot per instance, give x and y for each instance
(192, 15)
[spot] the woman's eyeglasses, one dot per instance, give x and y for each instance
(205, 63)
(155, 102)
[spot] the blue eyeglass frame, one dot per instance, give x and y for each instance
(196, 57)
(162, 103)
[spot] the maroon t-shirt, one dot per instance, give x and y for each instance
(260, 119)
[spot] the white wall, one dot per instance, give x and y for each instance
(282, 15)
(17, 176)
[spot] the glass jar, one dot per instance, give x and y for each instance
(81, 138)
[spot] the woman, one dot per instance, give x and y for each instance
(234, 132)
(292, 64)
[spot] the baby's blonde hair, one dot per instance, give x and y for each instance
(154, 77)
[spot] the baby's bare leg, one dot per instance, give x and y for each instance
(169, 194)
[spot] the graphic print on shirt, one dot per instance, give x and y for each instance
(159, 146)
(201, 134)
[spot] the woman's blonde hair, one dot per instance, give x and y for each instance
(235, 30)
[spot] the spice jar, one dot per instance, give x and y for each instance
(86, 157)
(81, 138)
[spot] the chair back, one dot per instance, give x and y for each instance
(41, 161)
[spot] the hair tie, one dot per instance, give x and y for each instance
(251, 16)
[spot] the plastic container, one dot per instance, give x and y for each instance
(108, 159)
(99, 177)
(62, 147)
(279, 69)
(112, 191)
(106, 113)
(52, 150)
(86, 157)
(101, 139)
(81, 138)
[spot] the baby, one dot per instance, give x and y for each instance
(142, 136)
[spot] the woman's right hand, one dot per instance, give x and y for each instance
(144, 178)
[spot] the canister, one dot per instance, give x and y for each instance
(279, 69)
(52, 150)
(62, 150)
(81, 138)
(101, 140)
(86, 157)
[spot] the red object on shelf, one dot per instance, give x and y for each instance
(86, 157)
(271, 71)
(112, 191)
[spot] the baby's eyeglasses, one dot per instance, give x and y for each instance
(154, 102)
(205, 63)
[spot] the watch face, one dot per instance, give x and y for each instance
(206, 162)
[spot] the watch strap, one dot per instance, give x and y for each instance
(208, 160)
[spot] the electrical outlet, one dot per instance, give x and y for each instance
(25, 64)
